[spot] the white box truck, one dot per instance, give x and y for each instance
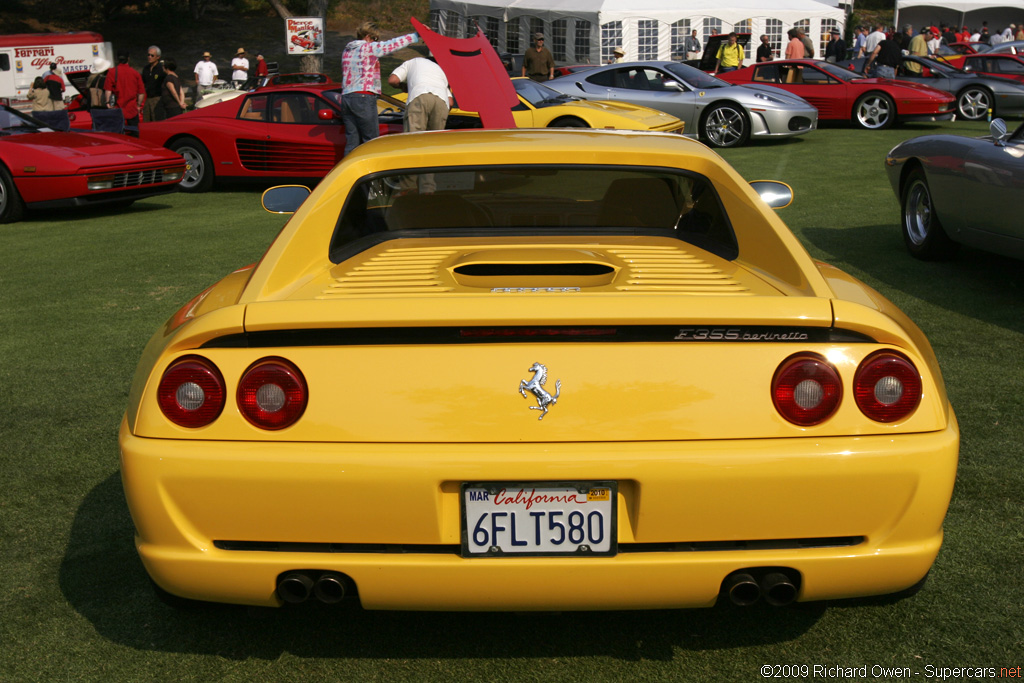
(27, 55)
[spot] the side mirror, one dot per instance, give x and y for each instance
(775, 194)
(673, 85)
(285, 198)
(998, 130)
(326, 114)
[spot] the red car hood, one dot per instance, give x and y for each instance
(475, 74)
(85, 149)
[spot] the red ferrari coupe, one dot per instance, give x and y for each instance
(1004, 65)
(287, 132)
(42, 168)
(839, 94)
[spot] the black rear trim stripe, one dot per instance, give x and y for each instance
(453, 549)
(380, 336)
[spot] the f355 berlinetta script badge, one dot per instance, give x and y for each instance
(536, 387)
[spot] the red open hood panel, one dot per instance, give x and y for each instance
(475, 74)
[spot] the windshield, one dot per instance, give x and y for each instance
(537, 94)
(533, 200)
(695, 78)
(12, 121)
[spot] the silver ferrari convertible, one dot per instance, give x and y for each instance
(720, 113)
(933, 176)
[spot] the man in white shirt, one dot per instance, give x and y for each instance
(240, 69)
(873, 40)
(206, 74)
(429, 101)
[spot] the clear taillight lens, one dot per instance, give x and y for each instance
(272, 394)
(887, 387)
(191, 392)
(806, 389)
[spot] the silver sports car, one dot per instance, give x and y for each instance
(934, 174)
(720, 113)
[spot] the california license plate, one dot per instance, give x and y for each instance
(539, 518)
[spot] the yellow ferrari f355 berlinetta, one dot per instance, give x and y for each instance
(537, 370)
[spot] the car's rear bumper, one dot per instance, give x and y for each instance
(388, 516)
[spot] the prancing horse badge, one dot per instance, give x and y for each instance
(536, 387)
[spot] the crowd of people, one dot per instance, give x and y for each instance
(153, 93)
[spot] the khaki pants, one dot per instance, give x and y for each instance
(149, 113)
(425, 112)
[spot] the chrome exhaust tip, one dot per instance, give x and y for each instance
(742, 589)
(330, 588)
(778, 589)
(294, 587)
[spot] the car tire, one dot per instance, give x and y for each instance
(568, 122)
(874, 111)
(199, 173)
(923, 233)
(11, 206)
(725, 125)
(973, 103)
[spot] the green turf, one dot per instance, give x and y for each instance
(80, 293)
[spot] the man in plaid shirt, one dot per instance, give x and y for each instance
(361, 81)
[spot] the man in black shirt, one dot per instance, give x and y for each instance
(765, 53)
(885, 59)
(835, 51)
(153, 80)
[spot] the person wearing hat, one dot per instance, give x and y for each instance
(538, 63)
(206, 74)
(836, 49)
(239, 69)
(918, 48)
(619, 56)
(126, 85)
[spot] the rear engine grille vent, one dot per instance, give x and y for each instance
(396, 271)
(669, 269)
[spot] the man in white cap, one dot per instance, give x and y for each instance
(205, 73)
(619, 56)
(94, 85)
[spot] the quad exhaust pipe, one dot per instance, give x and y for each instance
(777, 585)
(299, 586)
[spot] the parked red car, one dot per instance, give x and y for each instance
(839, 94)
(1001, 64)
(41, 168)
(275, 133)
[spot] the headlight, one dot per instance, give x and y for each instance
(100, 182)
(172, 174)
(767, 98)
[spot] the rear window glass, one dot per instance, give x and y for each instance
(534, 200)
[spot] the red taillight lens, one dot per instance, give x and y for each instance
(806, 390)
(191, 392)
(272, 394)
(887, 387)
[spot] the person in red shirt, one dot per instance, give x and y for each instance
(261, 67)
(126, 83)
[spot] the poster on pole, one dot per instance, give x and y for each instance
(305, 35)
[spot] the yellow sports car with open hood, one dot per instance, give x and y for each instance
(537, 370)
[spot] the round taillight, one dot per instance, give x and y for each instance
(191, 392)
(806, 389)
(887, 387)
(272, 394)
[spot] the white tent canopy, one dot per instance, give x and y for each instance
(587, 31)
(998, 13)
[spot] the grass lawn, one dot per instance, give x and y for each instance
(80, 293)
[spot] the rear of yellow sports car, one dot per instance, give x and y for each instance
(524, 370)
